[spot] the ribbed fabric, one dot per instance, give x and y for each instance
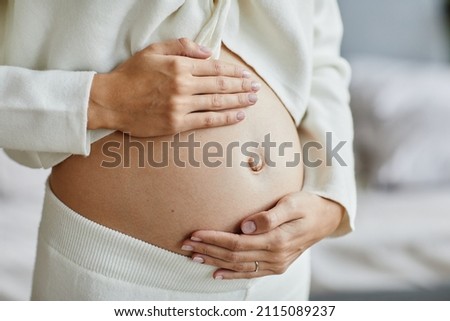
(119, 256)
(78, 259)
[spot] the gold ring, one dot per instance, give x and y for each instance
(256, 267)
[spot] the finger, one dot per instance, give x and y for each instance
(231, 266)
(216, 102)
(201, 68)
(227, 258)
(233, 242)
(224, 101)
(207, 111)
(180, 47)
(216, 110)
(264, 269)
(224, 85)
(212, 119)
(286, 210)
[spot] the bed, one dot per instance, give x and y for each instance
(401, 247)
(399, 251)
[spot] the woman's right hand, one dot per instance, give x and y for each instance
(170, 87)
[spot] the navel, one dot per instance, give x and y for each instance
(256, 164)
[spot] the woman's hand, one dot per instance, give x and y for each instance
(273, 238)
(168, 88)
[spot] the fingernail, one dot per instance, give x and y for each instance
(196, 239)
(198, 259)
(256, 86)
(252, 98)
(248, 227)
(246, 74)
(187, 248)
(205, 49)
(218, 277)
(240, 115)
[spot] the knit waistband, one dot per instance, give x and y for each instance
(122, 257)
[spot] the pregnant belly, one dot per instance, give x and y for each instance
(162, 189)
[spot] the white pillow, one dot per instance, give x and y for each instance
(402, 121)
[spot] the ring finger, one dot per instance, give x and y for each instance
(243, 261)
(248, 267)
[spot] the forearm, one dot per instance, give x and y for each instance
(99, 116)
(328, 124)
(44, 110)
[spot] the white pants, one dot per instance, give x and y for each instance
(78, 259)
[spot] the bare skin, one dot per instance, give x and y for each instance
(201, 211)
(168, 88)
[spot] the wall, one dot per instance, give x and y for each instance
(397, 28)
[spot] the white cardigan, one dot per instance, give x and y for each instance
(51, 49)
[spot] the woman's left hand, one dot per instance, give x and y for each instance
(272, 239)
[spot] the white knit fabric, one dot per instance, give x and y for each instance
(50, 51)
(78, 259)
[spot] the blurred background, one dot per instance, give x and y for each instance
(399, 52)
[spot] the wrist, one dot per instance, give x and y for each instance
(100, 114)
(334, 212)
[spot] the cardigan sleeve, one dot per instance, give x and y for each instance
(43, 112)
(326, 131)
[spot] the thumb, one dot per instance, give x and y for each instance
(180, 47)
(283, 212)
